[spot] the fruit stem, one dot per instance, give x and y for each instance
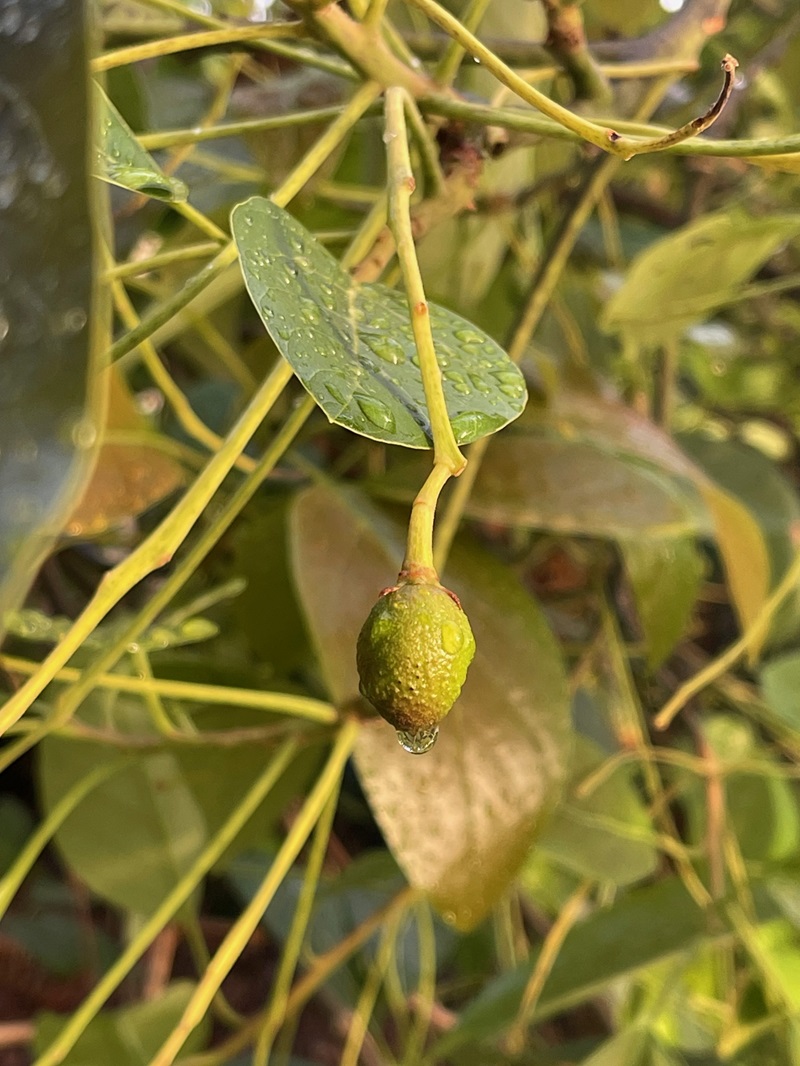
(401, 186)
(418, 565)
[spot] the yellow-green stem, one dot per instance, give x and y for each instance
(282, 984)
(55, 818)
(75, 1026)
(231, 948)
(401, 186)
(186, 42)
(419, 560)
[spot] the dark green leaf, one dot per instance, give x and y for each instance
(665, 576)
(642, 927)
(459, 819)
(780, 684)
(130, 1036)
(45, 236)
(120, 159)
(352, 346)
(687, 275)
(133, 837)
(608, 836)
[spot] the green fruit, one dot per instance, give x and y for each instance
(413, 654)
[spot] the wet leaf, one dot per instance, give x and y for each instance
(127, 478)
(46, 428)
(120, 160)
(665, 576)
(129, 1036)
(352, 347)
(133, 837)
(685, 276)
(459, 819)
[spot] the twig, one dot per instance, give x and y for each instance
(703, 122)
(753, 636)
(566, 42)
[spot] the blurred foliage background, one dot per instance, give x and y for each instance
(211, 851)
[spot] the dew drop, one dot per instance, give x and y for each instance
(468, 336)
(470, 425)
(417, 741)
(388, 350)
(511, 390)
(481, 384)
(376, 412)
(508, 377)
(336, 394)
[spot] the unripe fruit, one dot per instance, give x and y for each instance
(413, 654)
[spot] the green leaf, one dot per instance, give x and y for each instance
(133, 836)
(352, 346)
(755, 537)
(687, 275)
(626, 1048)
(761, 807)
(780, 685)
(267, 611)
(608, 836)
(744, 554)
(665, 576)
(779, 955)
(120, 160)
(528, 479)
(46, 427)
(644, 926)
(459, 819)
(130, 1036)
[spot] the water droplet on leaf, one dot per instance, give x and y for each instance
(376, 412)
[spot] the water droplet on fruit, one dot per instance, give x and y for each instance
(452, 638)
(418, 741)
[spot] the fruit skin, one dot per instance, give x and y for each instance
(413, 654)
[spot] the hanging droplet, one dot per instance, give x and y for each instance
(417, 742)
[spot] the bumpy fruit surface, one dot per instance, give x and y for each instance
(413, 654)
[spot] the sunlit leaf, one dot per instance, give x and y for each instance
(771, 503)
(127, 478)
(120, 160)
(130, 1035)
(665, 576)
(687, 275)
(352, 346)
(787, 162)
(571, 486)
(460, 818)
(744, 553)
(46, 428)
